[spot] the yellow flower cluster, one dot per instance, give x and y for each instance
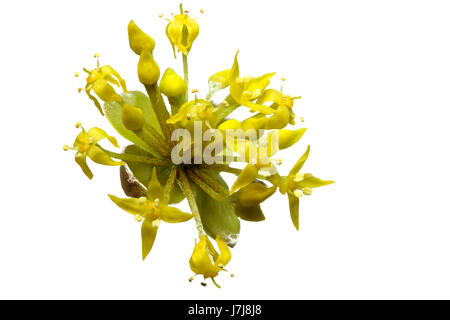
(155, 183)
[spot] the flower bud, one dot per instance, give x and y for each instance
(132, 117)
(138, 39)
(171, 84)
(148, 70)
(182, 32)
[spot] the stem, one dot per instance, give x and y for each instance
(212, 182)
(192, 203)
(148, 139)
(134, 157)
(205, 187)
(160, 109)
(186, 77)
(169, 184)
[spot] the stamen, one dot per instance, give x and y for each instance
(66, 147)
(142, 200)
(203, 284)
(80, 89)
(232, 275)
(299, 177)
(278, 161)
(283, 79)
(307, 191)
(220, 266)
(138, 217)
(188, 116)
(97, 55)
(191, 279)
(161, 15)
(302, 119)
(91, 140)
(78, 124)
(202, 11)
(225, 103)
(298, 193)
(77, 74)
(156, 223)
(194, 90)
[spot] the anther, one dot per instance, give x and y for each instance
(202, 11)
(307, 191)
(78, 124)
(191, 279)
(156, 223)
(188, 116)
(66, 147)
(91, 140)
(283, 79)
(141, 200)
(97, 55)
(302, 119)
(161, 15)
(232, 275)
(220, 266)
(299, 177)
(203, 284)
(186, 11)
(225, 103)
(77, 74)
(298, 193)
(156, 203)
(278, 161)
(194, 90)
(138, 217)
(80, 89)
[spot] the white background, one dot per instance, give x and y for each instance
(374, 76)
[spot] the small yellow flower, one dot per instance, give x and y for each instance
(258, 156)
(151, 209)
(86, 146)
(245, 90)
(100, 80)
(297, 184)
(248, 199)
(205, 260)
(196, 110)
(182, 31)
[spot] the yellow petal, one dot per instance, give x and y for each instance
(154, 189)
(294, 209)
(173, 215)
(98, 134)
(81, 161)
(296, 168)
(131, 205)
(225, 253)
(260, 83)
(245, 178)
(258, 107)
(220, 80)
(287, 138)
(148, 235)
(99, 156)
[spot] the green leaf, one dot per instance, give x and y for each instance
(218, 217)
(143, 173)
(148, 235)
(294, 203)
(313, 182)
(113, 111)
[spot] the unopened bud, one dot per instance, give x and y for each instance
(148, 70)
(138, 39)
(171, 84)
(132, 117)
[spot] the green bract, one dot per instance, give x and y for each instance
(178, 150)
